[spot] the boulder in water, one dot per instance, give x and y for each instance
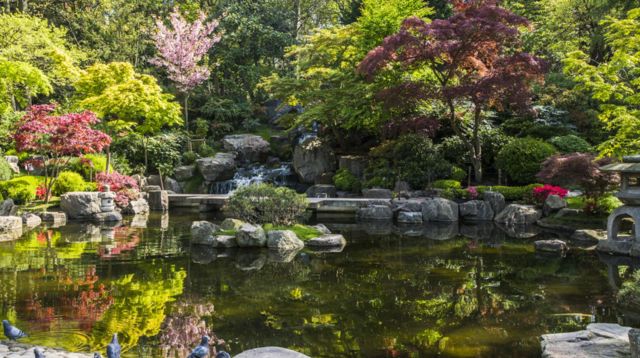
(251, 236)
(439, 209)
(283, 240)
(80, 205)
(10, 227)
(516, 214)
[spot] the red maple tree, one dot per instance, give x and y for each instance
(473, 65)
(55, 140)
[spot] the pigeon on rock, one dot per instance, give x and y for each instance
(113, 348)
(38, 353)
(223, 354)
(97, 355)
(12, 332)
(202, 350)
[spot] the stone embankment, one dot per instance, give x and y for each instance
(10, 349)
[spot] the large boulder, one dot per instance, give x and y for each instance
(552, 204)
(10, 227)
(222, 166)
(203, 232)
(158, 200)
(410, 217)
(251, 236)
(284, 240)
(375, 212)
(439, 209)
(13, 163)
(606, 340)
(496, 201)
(8, 208)
(410, 205)
(80, 205)
(377, 193)
(31, 220)
(136, 207)
(231, 224)
(225, 241)
(355, 164)
(322, 191)
(172, 185)
(249, 148)
(311, 159)
(589, 236)
(185, 172)
(476, 210)
(53, 218)
(516, 214)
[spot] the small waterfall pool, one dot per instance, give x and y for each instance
(281, 175)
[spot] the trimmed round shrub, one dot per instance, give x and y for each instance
(345, 180)
(447, 184)
(5, 169)
(266, 204)
(68, 181)
(21, 189)
(570, 144)
(521, 158)
(458, 174)
(89, 165)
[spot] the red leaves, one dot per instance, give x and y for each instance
(542, 192)
(68, 134)
(125, 187)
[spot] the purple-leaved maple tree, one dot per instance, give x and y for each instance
(181, 48)
(474, 65)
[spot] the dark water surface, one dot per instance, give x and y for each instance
(385, 295)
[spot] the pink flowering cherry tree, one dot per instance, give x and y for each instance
(181, 48)
(56, 139)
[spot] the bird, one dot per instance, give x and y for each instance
(113, 348)
(38, 353)
(12, 332)
(223, 354)
(202, 350)
(97, 355)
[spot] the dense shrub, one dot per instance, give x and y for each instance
(521, 158)
(457, 152)
(412, 158)
(570, 144)
(189, 158)
(629, 295)
(579, 169)
(446, 184)
(89, 165)
(458, 174)
(266, 204)
(21, 189)
(165, 148)
(510, 193)
(344, 180)
(68, 181)
(5, 169)
(124, 186)
(541, 193)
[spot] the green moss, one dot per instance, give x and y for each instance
(303, 232)
(345, 180)
(446, 184)
(227, 232)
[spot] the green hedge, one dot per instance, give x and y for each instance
(522, 157)
(68, 181)
(446, 184)
(21, 189)
(346, 181)
(510, 193)
(5, 169)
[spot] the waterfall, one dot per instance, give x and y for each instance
(280, 176)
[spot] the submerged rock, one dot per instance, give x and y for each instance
(605, 340)
(589, 236)
(202, 232)
(283, 240)
(555, 246)
(328, 240)
(225, 241)
(231, 224)
(10, 227)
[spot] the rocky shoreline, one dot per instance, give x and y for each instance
(9, 349)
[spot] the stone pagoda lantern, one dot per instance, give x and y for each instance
(629, 194)
(107, 197)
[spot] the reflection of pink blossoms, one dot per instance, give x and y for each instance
(183, 328)
(182, 47)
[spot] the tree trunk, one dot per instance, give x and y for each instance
(476, 154)
(146, 155)
(106, 169)
(186, 122)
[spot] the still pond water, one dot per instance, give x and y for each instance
(385, 295)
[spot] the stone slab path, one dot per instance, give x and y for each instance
(599, 340)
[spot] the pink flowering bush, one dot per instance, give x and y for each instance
(541, 193)
(124, 186)
(472, 192)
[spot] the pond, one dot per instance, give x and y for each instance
(385, 295)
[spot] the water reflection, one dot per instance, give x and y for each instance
(449, 290)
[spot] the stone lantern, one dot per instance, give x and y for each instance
(107, 197)
(629, 194)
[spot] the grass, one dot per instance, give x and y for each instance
(38, 205)
(227, 232)
(303, 232)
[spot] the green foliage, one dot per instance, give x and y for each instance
(570, 144)
(266, 204)
(614, 83)
(33, 41)
(522, 157)
(125, 99)
(189, 158)
(325, 82)
(457, 152)
(5, 170)
(344, 180)
(412, 158)
(68, 181)
(164, 148)
(21, 189)
(446, 184)
(19, 82)
(629, 295)
(89, 165)
(303, 232)
(458, 173)
(510, 193)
